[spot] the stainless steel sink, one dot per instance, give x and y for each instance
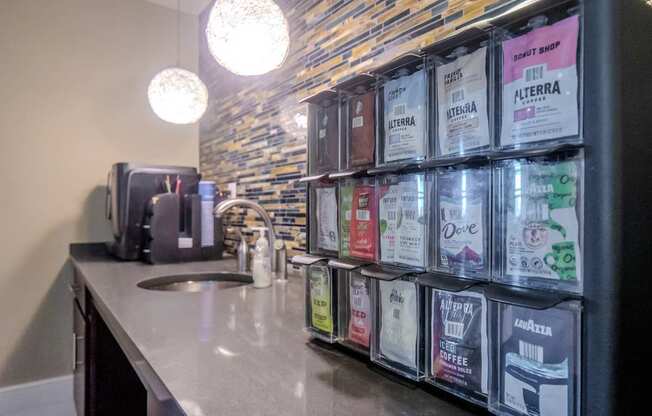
(197, 282)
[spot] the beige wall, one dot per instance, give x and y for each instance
(73, 79)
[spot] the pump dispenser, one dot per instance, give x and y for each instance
(261, 269)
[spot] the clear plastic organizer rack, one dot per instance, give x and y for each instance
(463, 231)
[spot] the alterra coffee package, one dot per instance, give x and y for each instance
(537, 356)
(320, 299)
(363, 135)
(399, 322)
(462, 95)
(542, 223)
(326, 212)
(464, 224)
(360, 310)
(346, 201)
(459, 341)
(405, 117)
(402, 217)
(540, 84)
(327, 138)
(364, 222)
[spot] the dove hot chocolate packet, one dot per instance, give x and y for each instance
(540, 83)
(463, 221)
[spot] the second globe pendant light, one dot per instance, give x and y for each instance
(177, 95)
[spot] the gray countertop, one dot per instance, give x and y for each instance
(241, 351)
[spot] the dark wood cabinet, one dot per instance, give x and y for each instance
(78, 347)
(107, 380)
(104, 383)
(112, 385)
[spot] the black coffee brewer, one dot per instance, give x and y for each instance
(155, 214)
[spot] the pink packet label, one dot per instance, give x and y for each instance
(540, 84)
(360, 323)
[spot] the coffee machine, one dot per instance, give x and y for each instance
(131, 190)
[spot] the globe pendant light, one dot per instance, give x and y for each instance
(248, 37)
(177, 95)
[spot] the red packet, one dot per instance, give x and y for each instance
(364, 223)
(360, 322)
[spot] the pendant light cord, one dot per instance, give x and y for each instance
(179, 33)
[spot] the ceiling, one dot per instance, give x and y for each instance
(187, 6)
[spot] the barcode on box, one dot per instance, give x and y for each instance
(454, 329)
(530, 351)
(322, 133)
(458, 96)
(357, 301)
(357, 122)
(362, 215)
(534, 73)
(399, 110)
(396, 313)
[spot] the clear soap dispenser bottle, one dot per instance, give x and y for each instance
(262, 267)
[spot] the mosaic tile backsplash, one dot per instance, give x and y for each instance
(254, 132)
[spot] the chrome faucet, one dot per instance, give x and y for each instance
(227, 204)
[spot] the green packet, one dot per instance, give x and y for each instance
(320, 298)
(346, 201)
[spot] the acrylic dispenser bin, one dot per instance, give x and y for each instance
(457, 337)
(323, 133)
(321, 301)
(402, 117)
(539, 79)
(464, 98)
(397, 341)
(358, 145)
(323, 225)
(535, 356)
(462, 221)
(538, 224)
(404, 209)
(354, 311)
(358, 213)
(562, 175)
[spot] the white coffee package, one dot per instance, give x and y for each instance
(411, 223)
(462, 96)
(399, 322)
(327, 232)
(388, 208)
(405, 117)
